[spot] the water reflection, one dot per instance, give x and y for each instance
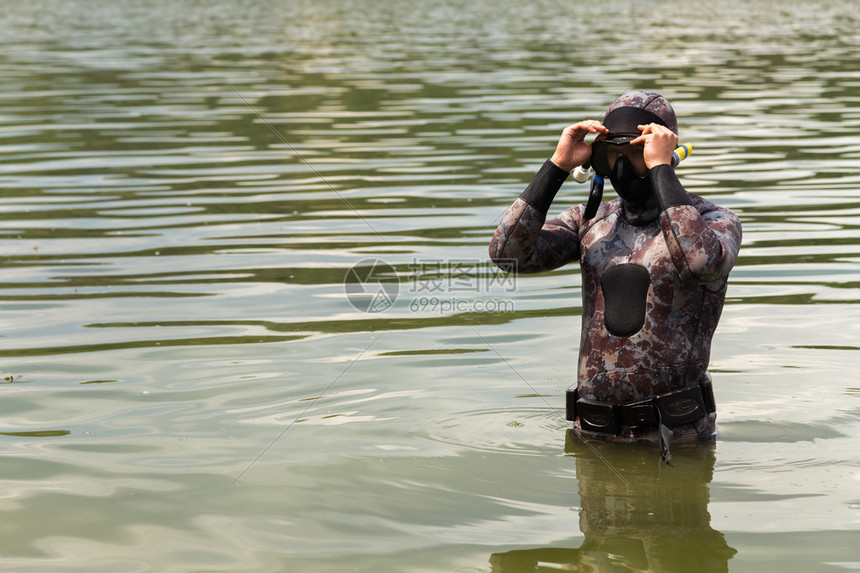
(651, 517)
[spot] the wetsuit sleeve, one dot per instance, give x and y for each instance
(525, 242)
(703, 242)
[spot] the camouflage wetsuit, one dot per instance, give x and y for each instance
(653, 285)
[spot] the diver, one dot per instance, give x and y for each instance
(655, 263)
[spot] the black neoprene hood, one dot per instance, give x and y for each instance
(639, 108)
(625, 121)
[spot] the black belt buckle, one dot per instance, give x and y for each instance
(682, 406)
(642, 413)
(598, 416)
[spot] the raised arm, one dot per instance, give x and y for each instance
(524, 241)
(704, 242)
(704, 245)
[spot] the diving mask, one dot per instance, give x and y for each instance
(606, 152)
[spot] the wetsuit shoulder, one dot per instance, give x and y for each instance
(704, 206)
(703, 239)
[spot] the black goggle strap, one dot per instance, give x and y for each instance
(595, 196)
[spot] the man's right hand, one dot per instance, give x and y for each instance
(572, 151)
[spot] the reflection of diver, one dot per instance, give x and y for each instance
(659, 523)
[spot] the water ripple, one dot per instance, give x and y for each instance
(173, 274)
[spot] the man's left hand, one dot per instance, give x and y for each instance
(659, 141)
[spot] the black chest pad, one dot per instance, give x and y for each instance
(625, 293)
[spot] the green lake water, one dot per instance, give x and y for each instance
(187, 387)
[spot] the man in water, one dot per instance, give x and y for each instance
(655, 263)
